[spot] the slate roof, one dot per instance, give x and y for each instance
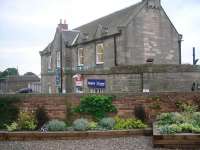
(112, 21)
(69, 36)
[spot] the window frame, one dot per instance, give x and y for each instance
(58, 60)
(98, 54)
(49, 62)
(80, 56)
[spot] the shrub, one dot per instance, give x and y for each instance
(196, 129)
(12, 127)
(186, 127)
(140, 112)
(56, 125)
(107, 123)
(96, 106)
(188, 108)
(128, 124)
(171, 129)
(81, 124)
(8, 110)
(41, 117)
(92, 125)
(166, 119)
(196, 118)
(26, 121)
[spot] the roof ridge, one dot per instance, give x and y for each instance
(113, 13)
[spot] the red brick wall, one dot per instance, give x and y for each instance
(125, 103)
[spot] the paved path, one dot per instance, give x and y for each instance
(128, 143)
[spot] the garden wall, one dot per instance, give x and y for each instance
(58, 106)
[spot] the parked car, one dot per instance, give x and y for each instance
(25, 90)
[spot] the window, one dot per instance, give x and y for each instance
(49, 89)
(99, 54)
(57, 59)
(49, 62)
(80, 56)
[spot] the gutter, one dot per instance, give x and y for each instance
(94, 40)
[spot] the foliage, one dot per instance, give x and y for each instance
(81, 124)
(171, 129)
(26, 121)
(166, 119)
(186, 127)
(188, 108)
(107, 123)
(185, 122)
(8, 110)
(128, 124)
(56, 125)
(196, 118)
(8, 72)
(96, 106)
(41, 116)
(92, 125)
(196, 129)
(140, 112)
(12, 127)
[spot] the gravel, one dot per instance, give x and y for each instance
(126, 143)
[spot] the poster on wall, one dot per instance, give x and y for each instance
(78, 80)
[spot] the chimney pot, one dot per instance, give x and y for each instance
(65, 21)
(60, 21)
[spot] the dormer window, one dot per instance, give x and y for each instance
(104, 31)
(80, 56)
(100, 53)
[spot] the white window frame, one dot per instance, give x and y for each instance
(98, 54)
(49, 89)
(80, 57)
(58, 63)
(49, 62)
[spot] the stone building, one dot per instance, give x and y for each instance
(104, 55)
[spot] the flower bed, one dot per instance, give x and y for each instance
(71, 135)
(36, 125)
(178, 130)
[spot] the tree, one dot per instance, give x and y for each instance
(8, 72)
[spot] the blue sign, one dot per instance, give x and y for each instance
(99, 84)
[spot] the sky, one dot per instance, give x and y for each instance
(28, 26)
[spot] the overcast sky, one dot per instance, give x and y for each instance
(28, 26)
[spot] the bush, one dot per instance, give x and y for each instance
(128, 124)
(171, 129)
(196, 118)
(56, 125)
(166, 119)
(8, 110)
(96, 106)
(41, 117)
(140, 112)
(12, 127)
(26, 121)
(107, 123)
(187, 127)
(81, 124)
(92, 125)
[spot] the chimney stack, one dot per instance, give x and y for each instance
(62, 26)
(156, 4)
